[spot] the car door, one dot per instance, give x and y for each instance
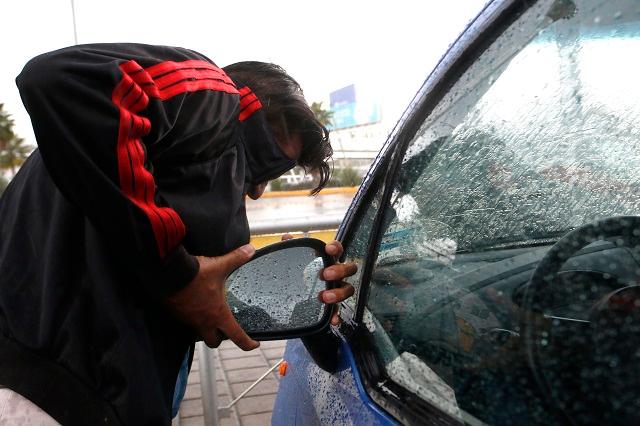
(495, 237)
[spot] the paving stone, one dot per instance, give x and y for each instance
(222, 387)
(273, 344)
(194, 377)
(256, 404)
(272, 362)
(275, 353)
(227, 415)
(246, 375)
(235, 353)
(262, 419)
(223, 400)
(192, 421)
(191, 408)
(227, 421)
(265, 387)
(240, 363)
(193, 391)
(227, 344)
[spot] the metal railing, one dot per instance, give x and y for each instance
(302, 224)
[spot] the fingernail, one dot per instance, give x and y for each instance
(330, 274)
(329, 297)
(248, 249)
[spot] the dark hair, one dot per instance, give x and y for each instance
(287, 112)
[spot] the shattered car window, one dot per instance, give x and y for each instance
(506, 285)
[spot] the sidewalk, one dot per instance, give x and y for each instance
(235, 371)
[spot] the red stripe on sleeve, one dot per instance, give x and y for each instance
(137, 158)
(130, 67)
(162, 68)
(124, 162)
(248, 99)
(194, 86)
(190, 74)
(249, 103)
(131, 95)
(135, 100)
(130, 98)
(249, 110)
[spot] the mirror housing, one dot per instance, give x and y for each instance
(274, 295)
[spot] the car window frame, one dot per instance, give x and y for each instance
(489, 24)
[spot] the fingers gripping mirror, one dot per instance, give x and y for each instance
(275, 294)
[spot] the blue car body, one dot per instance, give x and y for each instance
(309, 395)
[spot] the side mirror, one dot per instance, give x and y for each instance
(275, 294)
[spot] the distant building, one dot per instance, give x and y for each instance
(358, 145)
(357, 131)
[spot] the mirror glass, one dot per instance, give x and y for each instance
(278, 291)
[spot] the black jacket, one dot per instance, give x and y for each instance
(144, 156)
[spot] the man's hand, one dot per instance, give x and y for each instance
(337, 272)
(203, 304)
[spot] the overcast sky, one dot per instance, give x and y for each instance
(385, 48)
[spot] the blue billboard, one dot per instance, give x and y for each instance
(348, 112)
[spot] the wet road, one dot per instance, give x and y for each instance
(278, 211)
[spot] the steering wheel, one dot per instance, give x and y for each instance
(623, 231)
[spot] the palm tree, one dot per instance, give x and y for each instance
(6, 127)
(3, 184)
(14, 154)
(324, 116)
(13, 151)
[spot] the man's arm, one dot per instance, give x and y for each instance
(99, 114)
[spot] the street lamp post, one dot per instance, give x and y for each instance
(73, 15)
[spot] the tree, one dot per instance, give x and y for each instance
(6, 127)
(324, 116)
(3, 184)
(13, 151)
